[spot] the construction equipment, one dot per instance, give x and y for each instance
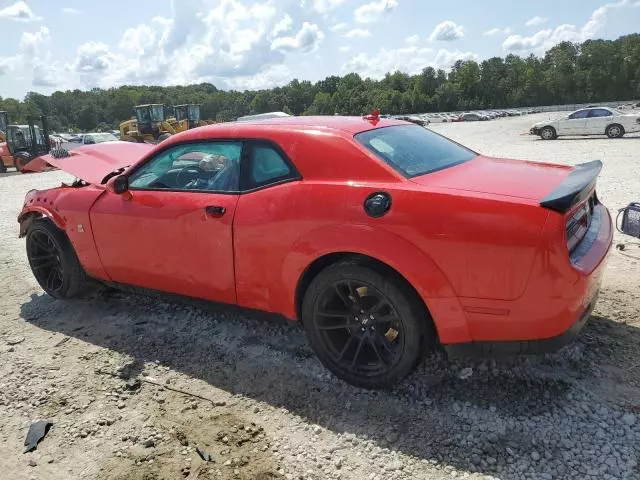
(148, 126)
(23, 143)
(4, 123)
(187, 116)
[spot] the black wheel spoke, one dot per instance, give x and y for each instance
(337, 326)
(354, 296)
(40, 244)
(344, 298)
(333, 314)
(40, 258)
(377, 351)
(355, 355)
(45, 264)
(345, 348)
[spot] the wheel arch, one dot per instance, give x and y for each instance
(33, 212)
(386, 252)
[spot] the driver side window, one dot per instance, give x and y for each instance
(205, 166)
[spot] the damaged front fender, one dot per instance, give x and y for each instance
(38, 204)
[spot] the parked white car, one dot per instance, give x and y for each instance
(589, 121)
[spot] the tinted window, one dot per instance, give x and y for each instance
(267, 166)
(599, 112)
(213, 167)
(413, 150)
(579, 114)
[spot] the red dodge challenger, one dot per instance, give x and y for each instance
(382, 237)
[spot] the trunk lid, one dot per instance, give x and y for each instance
(92, 163)
(498, 176)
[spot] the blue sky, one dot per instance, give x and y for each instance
(53, 45)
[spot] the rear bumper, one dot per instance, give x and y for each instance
(521, 347)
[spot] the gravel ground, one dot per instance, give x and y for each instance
(135, 386)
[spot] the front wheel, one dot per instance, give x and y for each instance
(367, 328)
(53, 260)
(20, 159)
(615, 131)
(548, 133)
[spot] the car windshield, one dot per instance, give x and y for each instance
(413, 150)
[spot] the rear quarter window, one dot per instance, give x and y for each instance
(413, 150)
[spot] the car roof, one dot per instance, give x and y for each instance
(346, 125)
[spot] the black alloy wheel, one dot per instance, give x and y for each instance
(366, 325)
(45, 260)
(360, 328)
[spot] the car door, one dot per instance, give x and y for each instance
(172, 231)
(265, 224)
(574, 124)
(598, 120)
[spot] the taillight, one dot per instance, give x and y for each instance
(578, 223)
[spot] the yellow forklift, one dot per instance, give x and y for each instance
(148, 126)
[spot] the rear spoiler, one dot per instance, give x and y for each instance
(575, 188)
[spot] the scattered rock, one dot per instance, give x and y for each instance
(149, 442)
(629, 419)
(465, 373)
(32, 463)
(14, 340)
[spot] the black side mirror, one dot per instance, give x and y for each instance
(121, 184)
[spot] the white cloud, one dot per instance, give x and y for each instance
(341, 26)
(19, 11)
(533, 21)
(545, 39)
(447, 31)
(412, 40)
(498, 31)
(324, 6)
(370, 12)
(93, 57)
(357, 33)
(345, 48)
(410, 59)
(31, 43)
(46, 75)
(284, 25)
(306, 40)
(70, 11)
(8, 64)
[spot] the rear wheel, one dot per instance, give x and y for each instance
(548, 133)
(615, 131)
(364, 326)
(3, 167)
(20, 159)
(53, 260)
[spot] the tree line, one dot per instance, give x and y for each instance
(593, 71)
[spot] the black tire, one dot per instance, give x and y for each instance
(163, 137)
(3, 167)
(384, 350)
(615, 131)
(48, 249)
(20, 159)
(548, 133)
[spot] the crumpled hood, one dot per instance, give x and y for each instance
(92, 163)
(499, 176)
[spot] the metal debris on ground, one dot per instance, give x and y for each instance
(37, 432)
(206, 456)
